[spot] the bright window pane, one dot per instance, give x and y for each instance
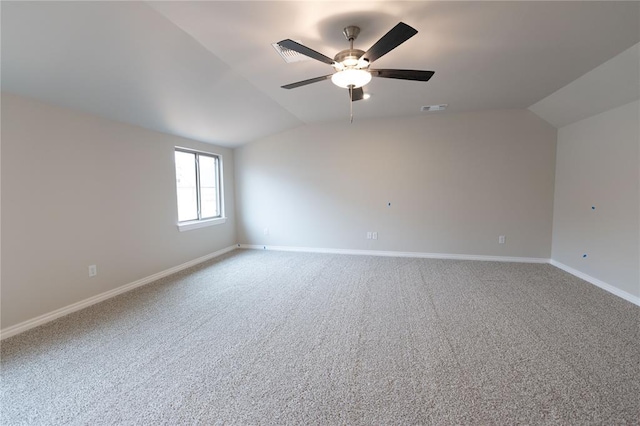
(208, 201)
(208, 186)
(186, 186)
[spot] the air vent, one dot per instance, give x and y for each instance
(289, 55)
(429, 108)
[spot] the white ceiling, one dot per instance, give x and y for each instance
(207, 71)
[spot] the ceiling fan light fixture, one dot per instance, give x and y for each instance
(351, 77)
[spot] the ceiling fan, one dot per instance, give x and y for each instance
(352, 65)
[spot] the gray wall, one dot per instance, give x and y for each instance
(598, 165)
(80, 190)
(455, 183)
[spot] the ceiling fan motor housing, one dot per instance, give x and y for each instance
(350, 58)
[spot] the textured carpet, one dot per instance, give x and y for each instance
(261, 337)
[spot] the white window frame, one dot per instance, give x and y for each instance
(202, 223)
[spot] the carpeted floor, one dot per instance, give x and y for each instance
(263, 337)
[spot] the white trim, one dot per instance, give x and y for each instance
(607, 287)
(42, 319)
(199, 151)
(187, 226)
(398, 254)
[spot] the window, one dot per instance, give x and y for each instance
(199, 189)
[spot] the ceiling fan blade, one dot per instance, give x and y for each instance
(305, 82)
(304, 50)
(394, 38)
(356, 94)
(416, 75)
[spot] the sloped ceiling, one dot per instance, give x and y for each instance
(612, 84)
(207, 71)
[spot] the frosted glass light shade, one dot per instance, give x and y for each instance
(351, 77)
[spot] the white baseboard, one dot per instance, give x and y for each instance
(588, 278)
(43, 319)
(607, 287)
(398, 254)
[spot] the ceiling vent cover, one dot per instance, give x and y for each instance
(289, 55)
(429, 108)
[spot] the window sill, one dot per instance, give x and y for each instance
(187, 226)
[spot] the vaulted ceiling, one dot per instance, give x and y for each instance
(207, 70)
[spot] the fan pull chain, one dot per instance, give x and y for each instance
(351, 104)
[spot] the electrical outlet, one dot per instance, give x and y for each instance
(374, 235)
(266, 231)
(93, 270)
(501, 239)
(368, 235)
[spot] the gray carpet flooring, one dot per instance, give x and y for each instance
(262, 337)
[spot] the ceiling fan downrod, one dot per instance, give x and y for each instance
(351, 33)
